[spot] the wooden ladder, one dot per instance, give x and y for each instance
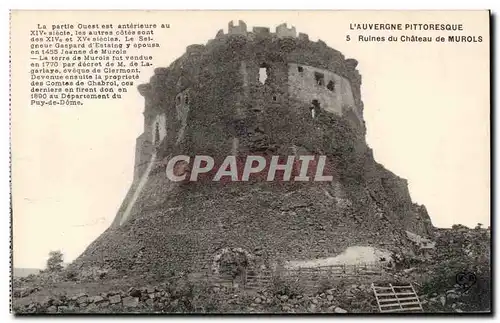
(399, 298)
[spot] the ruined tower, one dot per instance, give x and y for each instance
(244, 93)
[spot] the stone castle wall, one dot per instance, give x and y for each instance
(333, 92)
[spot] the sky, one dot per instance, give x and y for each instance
(426, 107)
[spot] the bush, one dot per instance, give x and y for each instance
(477, 297)
(462, 250)
(443, 278)
(282, 285)
(71, 275)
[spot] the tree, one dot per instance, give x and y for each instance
(55, 261)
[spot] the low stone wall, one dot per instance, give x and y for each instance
(215, 298)
(118, 301)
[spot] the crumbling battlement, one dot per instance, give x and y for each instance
(282, 30)
(299, 49)
(240, 29)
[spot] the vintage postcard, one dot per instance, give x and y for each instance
(250, 162)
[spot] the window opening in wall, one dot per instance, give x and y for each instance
(331, 86)
(320, 78)
(157, 133)
(263, 73)
(186, 99)
(275, 98)
(314, 108)
(313, 112)
(300, 69)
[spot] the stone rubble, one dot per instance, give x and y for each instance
(161, 299)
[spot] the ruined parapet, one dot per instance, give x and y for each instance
(303, 37)
(283, 31)
(218, 38)
(161, 71)
(261, 31)
(240, 29)
(195, 49)
(351, 63)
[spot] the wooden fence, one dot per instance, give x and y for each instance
(308, 277)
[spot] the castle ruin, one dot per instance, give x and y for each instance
(255, 92)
